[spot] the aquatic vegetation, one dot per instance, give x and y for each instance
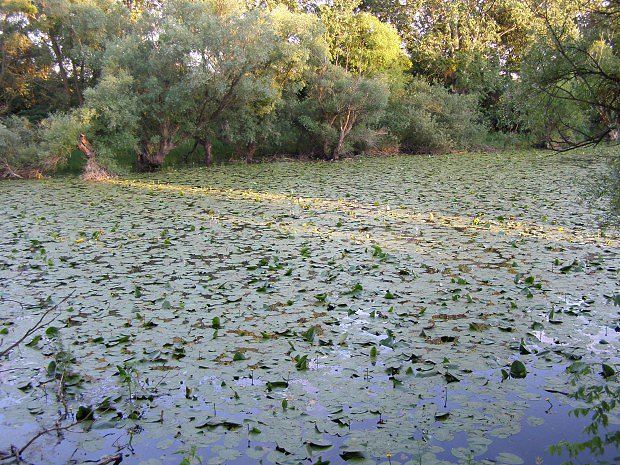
(311, 310)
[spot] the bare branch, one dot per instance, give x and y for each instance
(38, 325)
(16, 453)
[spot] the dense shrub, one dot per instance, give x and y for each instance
(20, 157)
(429, 118)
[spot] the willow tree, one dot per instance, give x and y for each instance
(51, 51)
(576, 64)
(340, 104)
(194, 66)
(237, 68)
(297, 49)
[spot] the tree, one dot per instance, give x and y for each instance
(337, 104)
(23, 64)
(577, 62)
(425, 118)
(397, 13)
(18, 153)
(359, 42)
(297, 48)
(239, 66)
(193, 67)
(51, 51)
(154, 81)
(30, 150)
(294, 6)
(471, 47)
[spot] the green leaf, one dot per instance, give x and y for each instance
(517, 370)
(608, 371)
(301, 362)
(357, 288)
(321, 297)
(34, 341)
(52, 332)
(522, 349)
(309, 334)
(84, 413)
(353, 455)
(271, 385)
(51, 368)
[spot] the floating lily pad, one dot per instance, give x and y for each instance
(518, 370)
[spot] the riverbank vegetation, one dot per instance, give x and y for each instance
(136, 80)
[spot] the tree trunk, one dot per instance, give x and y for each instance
(93, 171)
(208, 146)
(187, 155)
(339, 145)
(326, 148)
(346, 124)
(61, 69)
(77, 86)
(606, 119)
(250, 150)
(151, 158)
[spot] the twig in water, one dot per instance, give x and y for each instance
(38, 325)
(108, 459)
(16, 453)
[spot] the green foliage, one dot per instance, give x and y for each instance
(30, 149)
(17, 146)
(52, 52)
(600, 395)
(518, 370)
(340, 109)
(251, 121)
(242, 77)
(429, 118)
(359, 42)
(209, 71)
(573, 68)
(190, 456)
(454, 41)
(59, 135)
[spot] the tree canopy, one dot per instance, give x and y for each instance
(278, 76)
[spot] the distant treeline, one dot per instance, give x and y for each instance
(203, 78)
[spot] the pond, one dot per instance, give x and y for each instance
(369, 311)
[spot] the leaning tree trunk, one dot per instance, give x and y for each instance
(93, 170)
(611, 123)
